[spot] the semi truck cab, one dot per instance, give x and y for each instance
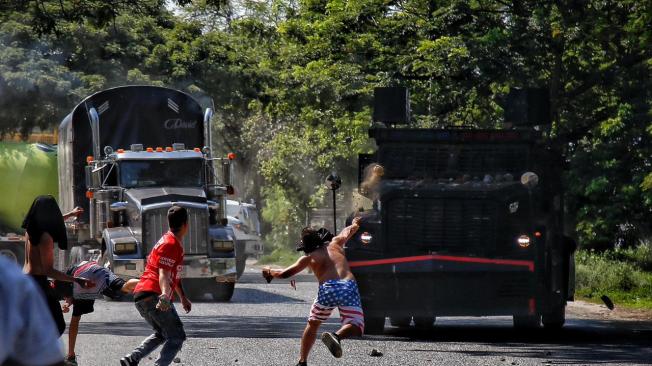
(150, 160)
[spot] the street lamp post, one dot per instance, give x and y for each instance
(333, 182)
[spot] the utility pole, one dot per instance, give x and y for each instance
(333, 182)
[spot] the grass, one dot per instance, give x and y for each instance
(622, 274)
(280, 257)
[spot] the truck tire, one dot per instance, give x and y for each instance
(223, 291)
(424, 322)
(240, 263)
(556, 319)
(14, 251)
(400, 321)
(527, 321)
(374, 325)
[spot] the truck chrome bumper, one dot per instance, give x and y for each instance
(222, 269)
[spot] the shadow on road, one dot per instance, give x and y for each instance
(214, 327)
(582, 342)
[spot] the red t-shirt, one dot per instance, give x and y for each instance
(166, 254)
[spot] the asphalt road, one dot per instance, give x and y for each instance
(262, 325)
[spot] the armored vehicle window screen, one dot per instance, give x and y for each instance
(161, 173)
(450, 226)
(402, 161)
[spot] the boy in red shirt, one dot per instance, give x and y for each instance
(153, 294)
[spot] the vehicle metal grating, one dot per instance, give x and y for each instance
(453, 226)
(445, 161)
(195, 241)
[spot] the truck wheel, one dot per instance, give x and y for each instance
(240, 263)
(527, 321)
(223, 291)
(14, 250)
(374, 324)
(400, 321)
(424, 322)
(196, 288)
(556, 319)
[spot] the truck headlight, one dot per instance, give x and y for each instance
(523, 241)
(365, 238)
(125, 248)
(223, 245)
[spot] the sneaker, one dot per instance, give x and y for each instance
(70, 361)
(332, 341)
(128, 361)
(304, 363)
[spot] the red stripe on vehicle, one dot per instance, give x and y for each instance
(532, 307)
(445, 258)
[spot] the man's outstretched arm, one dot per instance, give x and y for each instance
(297, 267)
(347, 232)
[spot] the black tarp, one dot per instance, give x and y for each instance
(148, 115)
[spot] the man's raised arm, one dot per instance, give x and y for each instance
(347, 232)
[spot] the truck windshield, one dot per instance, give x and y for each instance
(161, 173)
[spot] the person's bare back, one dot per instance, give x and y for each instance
(329, 262)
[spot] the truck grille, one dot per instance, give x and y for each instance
(195, 241)
(453, 226)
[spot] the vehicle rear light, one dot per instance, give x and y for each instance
(89, 194)
(231, 156)
(523, 241)
(365, 238)
(538, 234)
(89, 159)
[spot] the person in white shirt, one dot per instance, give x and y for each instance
(28, 334)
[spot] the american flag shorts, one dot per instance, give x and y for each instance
(342, 294)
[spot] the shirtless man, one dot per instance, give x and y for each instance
(324, 254)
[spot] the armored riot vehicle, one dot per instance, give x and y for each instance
(464, 222)
(128, 154)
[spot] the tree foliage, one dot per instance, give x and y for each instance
(292, 82)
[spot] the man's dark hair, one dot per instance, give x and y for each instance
(177, 217)
(312, 239)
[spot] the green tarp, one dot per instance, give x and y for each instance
(26, 171)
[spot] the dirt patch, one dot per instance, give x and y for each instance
(586, 310)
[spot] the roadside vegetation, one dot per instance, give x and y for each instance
(292, 84)
(624, 275)
(280, 256)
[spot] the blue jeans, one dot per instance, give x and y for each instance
(168, 331)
